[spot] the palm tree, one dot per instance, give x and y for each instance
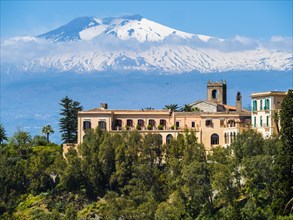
(47, 129)
(172, 107)
(186, 108)
(149, 108)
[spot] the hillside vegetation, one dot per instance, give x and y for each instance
(129, 176)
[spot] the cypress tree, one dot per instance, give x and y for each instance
(285, 157)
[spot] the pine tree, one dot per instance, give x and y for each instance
(68, 123)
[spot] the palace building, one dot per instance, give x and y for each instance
(214, 122)
(265, 110)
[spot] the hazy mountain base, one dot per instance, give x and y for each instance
(29, 101)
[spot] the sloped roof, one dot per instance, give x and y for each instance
(205, 101)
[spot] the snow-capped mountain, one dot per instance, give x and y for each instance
(124, 28)
(134, 43)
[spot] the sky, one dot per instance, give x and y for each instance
(225, 19)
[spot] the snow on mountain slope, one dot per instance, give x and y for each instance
(70, 31)
(168, 59)
(125, 28)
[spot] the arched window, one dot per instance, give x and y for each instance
(169, 138)
(231, 138)
(129, 122)
(163, 122)
(215, 94)
(151, 124)
(214, 139)
(260, 105)
(87, 125)
(231, 123)
(140, 122)
(102, 125)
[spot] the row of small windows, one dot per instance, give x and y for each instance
(140, 122)
(129, 122)
(88, 125)
(169, 138)
(261, 122)
(230, 123)
(266, 105)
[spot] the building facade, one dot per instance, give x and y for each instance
(214, 123)
(265, 108)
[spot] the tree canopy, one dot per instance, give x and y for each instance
(128, 175)
(68, 121)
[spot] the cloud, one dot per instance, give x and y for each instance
(280, 43)
(20, 50)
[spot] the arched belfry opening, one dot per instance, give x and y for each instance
(217, 92)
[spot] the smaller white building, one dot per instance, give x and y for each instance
(265, 106)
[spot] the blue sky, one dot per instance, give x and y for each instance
(225, 19)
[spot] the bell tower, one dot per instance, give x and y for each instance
(217, 92)
(238, 102)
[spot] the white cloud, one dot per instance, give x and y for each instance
(19, 50)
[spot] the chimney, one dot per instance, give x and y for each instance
(238, 102)
(104, 106)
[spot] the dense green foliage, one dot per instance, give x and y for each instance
(68, 121)
(128, 176)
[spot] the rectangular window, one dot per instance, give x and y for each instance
(193, 124)
(209, 123)
(221, 123)
(254, 105)
(87, 124)
(177, 124)
(267, 104)
(254, 122)
(268, 124)
(260, 105)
